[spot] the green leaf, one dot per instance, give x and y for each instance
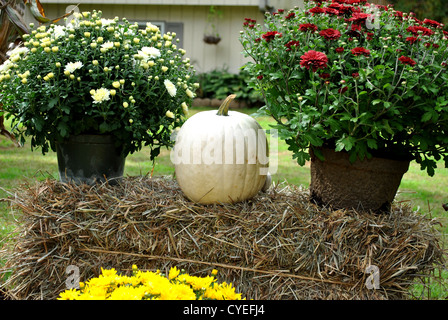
(345, 143)
(52, 102)
(104, 127)
(38, 123)
(63, 128)
(427, 116)
(387, 126)
(371, 143)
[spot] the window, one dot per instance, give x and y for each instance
(158, 24)
(164, 27)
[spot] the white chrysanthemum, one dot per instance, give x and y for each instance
(170, 87)
(100, 95)
(149, 53)
(74, 23)
(72, 66)
(58, 31)
(184, 108)
(18, 51)
(6, 66)
(107, 22)
(189, 93)
(108, 45)
(170, 114)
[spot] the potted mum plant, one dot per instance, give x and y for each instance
(359, 89)
(95, 91)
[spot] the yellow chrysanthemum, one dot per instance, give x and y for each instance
(127, 293)
(70, 294)
(178, 292)
(151, 285)
(174, 272)
(197, 283)
(224, 291)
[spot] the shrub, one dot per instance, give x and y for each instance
(219, 83)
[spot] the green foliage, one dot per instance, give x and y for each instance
(97, 76)
(437, 9)
(219, 84)
(363, 79)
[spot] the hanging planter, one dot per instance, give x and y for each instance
(213, 36)
(212, 39)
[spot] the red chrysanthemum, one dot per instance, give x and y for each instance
(316, 10)
(432, 23)
(268, 36)
(314, 60)
(413, 40)
(336, 5)
(339, 50)
(331, 11)
(359, 17)
(330, 34)
(369, 35)
(416, 30)
(249, 25)
(342, 90)
(308, 27)
(290, 44)
(290, 16)
(324, 76)
(360, 51)
(356, 27)
(355, 1)
(407, 60)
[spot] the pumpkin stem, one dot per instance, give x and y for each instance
(224, 108)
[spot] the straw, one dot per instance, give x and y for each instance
(276, 246)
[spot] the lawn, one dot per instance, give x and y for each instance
(424, 193)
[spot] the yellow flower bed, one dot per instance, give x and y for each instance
(146, 285)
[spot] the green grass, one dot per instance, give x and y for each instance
(427, 194)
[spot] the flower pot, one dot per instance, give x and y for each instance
(210, 39)
(368, 185)
(89, 159)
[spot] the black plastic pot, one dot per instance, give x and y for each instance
(90, 159)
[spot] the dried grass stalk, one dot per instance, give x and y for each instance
(276, 246)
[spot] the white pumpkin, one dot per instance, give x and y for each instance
(220, 157)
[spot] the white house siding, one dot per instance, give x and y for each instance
(205, 57)
(168, 2)
(193, 16)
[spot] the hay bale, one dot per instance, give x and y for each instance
(276, 246)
